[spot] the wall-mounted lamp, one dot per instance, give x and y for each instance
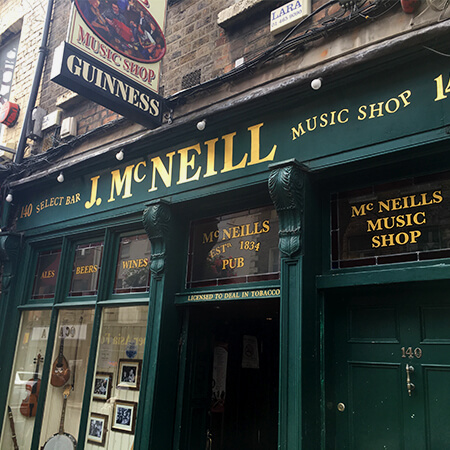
(60, 177)
(316, 84)
(9, 198)
(119, 155)
(201, 125)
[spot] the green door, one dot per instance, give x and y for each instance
(388, 369)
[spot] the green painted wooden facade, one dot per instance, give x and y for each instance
(377, 125)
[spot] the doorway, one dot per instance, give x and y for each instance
(388, 368)
(231, 394)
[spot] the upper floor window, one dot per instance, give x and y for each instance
(8, 55)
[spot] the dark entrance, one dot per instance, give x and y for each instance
(388, 369)
(231, 383)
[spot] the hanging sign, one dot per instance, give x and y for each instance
(112, 56)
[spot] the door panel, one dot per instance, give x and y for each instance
(373, 336)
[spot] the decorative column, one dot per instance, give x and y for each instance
(154, 429)
(286, 187)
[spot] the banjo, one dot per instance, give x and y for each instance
(62, 440)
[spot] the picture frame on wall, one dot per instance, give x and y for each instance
(124, 416)
(102, 386)
(129, 374)
(98, 427)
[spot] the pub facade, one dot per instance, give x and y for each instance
(277, 279)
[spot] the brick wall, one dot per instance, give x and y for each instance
(28, 17)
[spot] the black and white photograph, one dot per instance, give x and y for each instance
(129, 374)
(124, 416)
(102, 386)
(98, 425)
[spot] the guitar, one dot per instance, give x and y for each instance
(62, 440)
(29, 404)
(13, 429)
(60, 369)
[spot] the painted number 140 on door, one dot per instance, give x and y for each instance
(410, 353)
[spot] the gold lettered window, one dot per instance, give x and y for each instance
(132, 271)
(86, 269)
(117, 378)
(234, 248)
(46, 274)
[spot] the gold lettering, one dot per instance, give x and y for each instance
(255, 157)
(118, 183)
(211, 157)
(166, 175)
(185, 163)
(228, 155)
(94, 199)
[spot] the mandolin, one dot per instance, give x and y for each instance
(60, 369)
(62, 440)
(29, 404)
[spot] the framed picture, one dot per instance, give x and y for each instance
(129, 375)
(124, 416)
(98, 425)
(102, 386)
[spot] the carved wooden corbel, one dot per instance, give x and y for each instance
(286, 187)
(156, 219)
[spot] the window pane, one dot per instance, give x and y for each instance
(132, 273)
(116, 385)
(68, 373)
(236, 248)
(25, 379)
(46, 274)
(86, 269)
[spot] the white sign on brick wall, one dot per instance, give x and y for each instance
(288, 15)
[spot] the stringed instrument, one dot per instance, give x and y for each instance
(60, 369)
(62, 440)
(29, 404)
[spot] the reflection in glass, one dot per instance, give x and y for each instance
(46, 274)
(25, 380)
(239, 247)
(118, 372)
(132, 272)
(86, 269)
(65, 391)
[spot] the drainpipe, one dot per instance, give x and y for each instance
(35, 87)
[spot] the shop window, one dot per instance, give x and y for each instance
(234, 248)
(402, 221)
(46, 274)
(117, 378)
(132, 271)
(62, 412)
(86, 269)
(25, 380)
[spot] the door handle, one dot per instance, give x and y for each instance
(410, 386)
(208, 440)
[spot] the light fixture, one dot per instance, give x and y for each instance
(316, 84)
(9, 198)
(60, 177)
(201, 125)
(119, 155)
